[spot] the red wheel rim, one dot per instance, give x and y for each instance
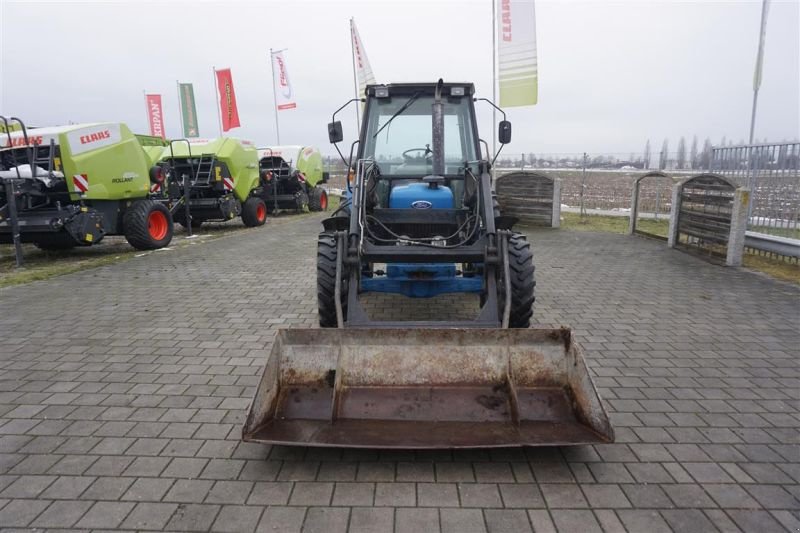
(157, 225)
(323, 202)
(261, 212)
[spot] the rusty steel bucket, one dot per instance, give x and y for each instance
(426, 388)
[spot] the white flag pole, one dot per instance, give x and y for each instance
(180, 110)
(147, 110)
(355, 76)
(759, 62)
(216, 92)
(275, 95)
(494, 80)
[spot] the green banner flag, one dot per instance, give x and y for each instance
(516, 53)
(188, 110)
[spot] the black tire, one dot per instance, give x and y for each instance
(521, 269)
(318, 201)
(254, 212)
(300, 201)
(148, 225)
(326, 281)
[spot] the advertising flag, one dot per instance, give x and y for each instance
(188, 110)
(227, 99)
(363, 68)
(155, 115)
(284, 98)
(516, 53)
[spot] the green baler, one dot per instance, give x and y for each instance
(292, 176)
(71, 185)
(219, 177)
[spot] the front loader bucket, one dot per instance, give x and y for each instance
(426, 388)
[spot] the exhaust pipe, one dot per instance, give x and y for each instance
(438, 131)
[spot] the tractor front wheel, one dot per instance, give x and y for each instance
(521, 269)
(327, 252)
(318, 200)
(254, 212)
(147, 225)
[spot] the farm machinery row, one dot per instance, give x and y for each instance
(69, 186)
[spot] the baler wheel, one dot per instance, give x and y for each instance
(254, 212)
(147, 225)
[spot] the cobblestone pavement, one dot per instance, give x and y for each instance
(123, 390)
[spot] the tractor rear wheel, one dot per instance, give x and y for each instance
(327, 252)
(318, 200)
(147, 225)
(254, 212)
(521, 269)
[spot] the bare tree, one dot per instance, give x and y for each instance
(663, 156)
(705, 158)
(681, 155)
(693, 162)
(646, 157)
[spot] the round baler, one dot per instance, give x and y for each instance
(222, 178)
(73, 185)
(292, 177)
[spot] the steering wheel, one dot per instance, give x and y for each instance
(425, 151)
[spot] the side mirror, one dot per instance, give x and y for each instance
(335, 132)
(504, 132)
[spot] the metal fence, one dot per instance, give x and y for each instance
(772, 173)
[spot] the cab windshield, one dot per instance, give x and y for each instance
(403, 146)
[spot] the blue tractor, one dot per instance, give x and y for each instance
(422, 204)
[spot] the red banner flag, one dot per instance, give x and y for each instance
(227, 100)
(155, 115)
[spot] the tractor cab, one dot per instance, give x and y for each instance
(398, 141)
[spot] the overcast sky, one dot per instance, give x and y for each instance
(611, 74)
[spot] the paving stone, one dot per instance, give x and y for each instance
(231, 492)
(687, 520)
(484, 495)
(150, 516)
(416, 520)
(353, 494)
(575, 520)
(62, 514)
(506, 521)
(20, 513)
(605, 496)
(189, 491)
(107, 515)
(562, 495)
(311, 493)
(462, 521)
(193, 517)
(524, 495)
(395, 495)
(643, 520)
(371, 520)
(237, 519)
(437, 495)
(751, 520)
(326, 520)
(67, 487)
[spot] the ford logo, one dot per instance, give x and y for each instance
(421, 204)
